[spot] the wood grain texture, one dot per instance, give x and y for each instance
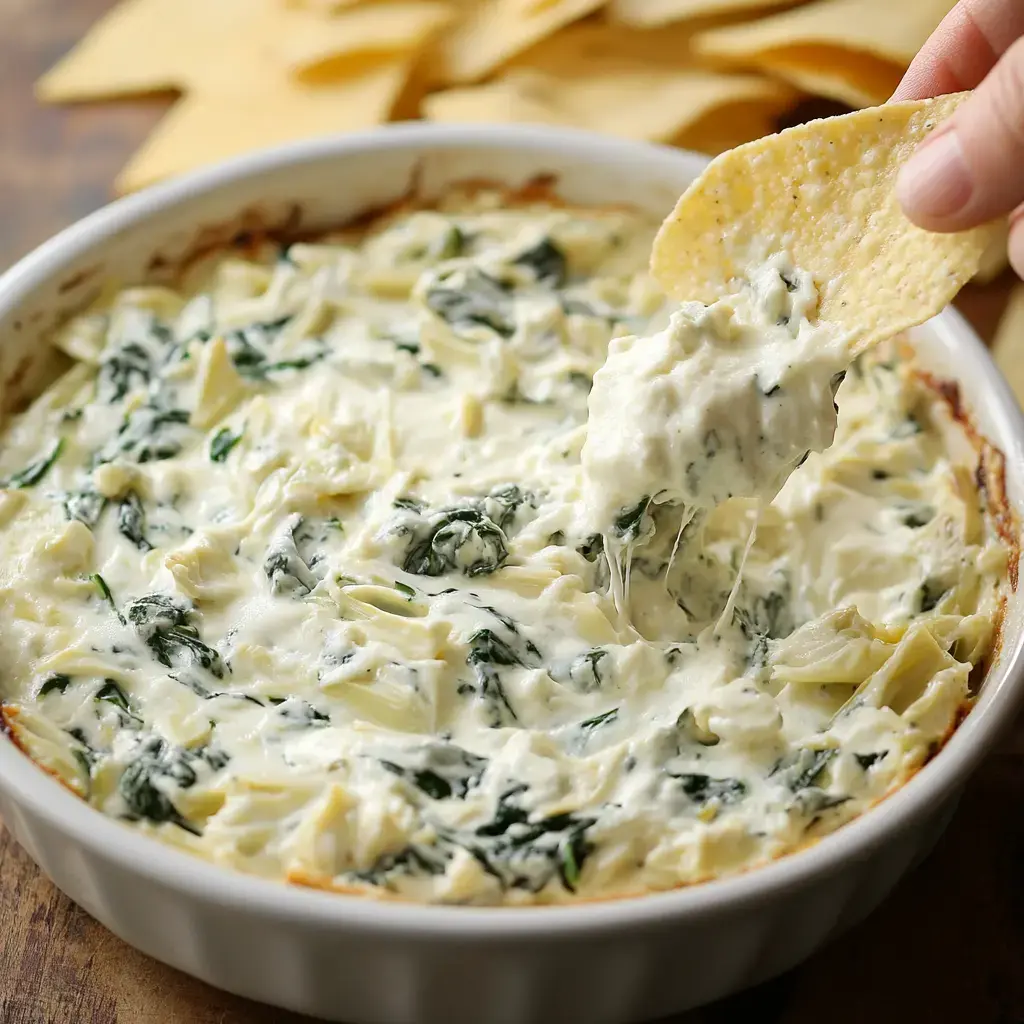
(947, 946)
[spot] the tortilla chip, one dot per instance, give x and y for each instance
(144, 46)
(729, 126)
(995, 259)
(203, 128)
(232, 46)
(854, 51)
(315, 46)
(596, 48)
(323, 6)
(823, 192)
(649, 13)
(632, 84)
(227, 58)
(1008, 346)
(653, 105)
(493, 33)
(519, 97)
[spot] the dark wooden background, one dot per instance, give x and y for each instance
(947, 946)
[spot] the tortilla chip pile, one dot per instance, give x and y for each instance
(704, 74)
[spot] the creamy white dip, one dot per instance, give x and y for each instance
(301, 569)
(724, 402)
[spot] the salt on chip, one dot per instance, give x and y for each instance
(651, 13)
(1008, 346)
(318, 47)
(201, 129)
(493, 33)
(853, 51)
(824, 193)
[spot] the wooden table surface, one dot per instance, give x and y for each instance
(947, 946)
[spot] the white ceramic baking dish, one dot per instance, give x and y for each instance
(361, 961)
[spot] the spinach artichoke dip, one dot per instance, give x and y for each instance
(309, 567)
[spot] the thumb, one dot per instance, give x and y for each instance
(971, 170)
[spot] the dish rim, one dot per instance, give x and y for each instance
(161, 863)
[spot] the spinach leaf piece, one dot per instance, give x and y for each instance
(604, 718)
(162, 623)
(806, 768)
(85, 506)
(929, 594)
(83, 751)
(412, 861)
(587, 671)
(802, 774)
(440, 770)
(409, 504)
(56, 683)
(919, 516)
(501, 504)
(701, 789)
(31, 474)
(221, 444)
(248, 345)
(466, 297)
(150, 433)
(452, 243)
(516, 849)
(128, 367)
(585, 729)
(284, 566)
(249, 349)
(101, 586)
(138, 785)
(547, 261)
(527, 853)
(766, 615)
(131, 521)
(461, 539)
(592, 548)
(299, 711)
(865, 761)
(136, 361)
(471, 538)
(630, 522)
(488, 653)
(113, 694)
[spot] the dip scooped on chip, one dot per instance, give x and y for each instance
(790, 256)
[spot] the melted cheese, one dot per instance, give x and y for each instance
(300, 571)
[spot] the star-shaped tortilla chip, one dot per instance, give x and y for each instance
(252, 73)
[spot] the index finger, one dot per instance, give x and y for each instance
(963, 49)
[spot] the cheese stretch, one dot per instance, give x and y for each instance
(301, 568)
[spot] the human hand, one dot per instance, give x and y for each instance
(971, 169)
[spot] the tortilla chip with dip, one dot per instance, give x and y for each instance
(824, 193)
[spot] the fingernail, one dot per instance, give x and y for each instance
(935, 181)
